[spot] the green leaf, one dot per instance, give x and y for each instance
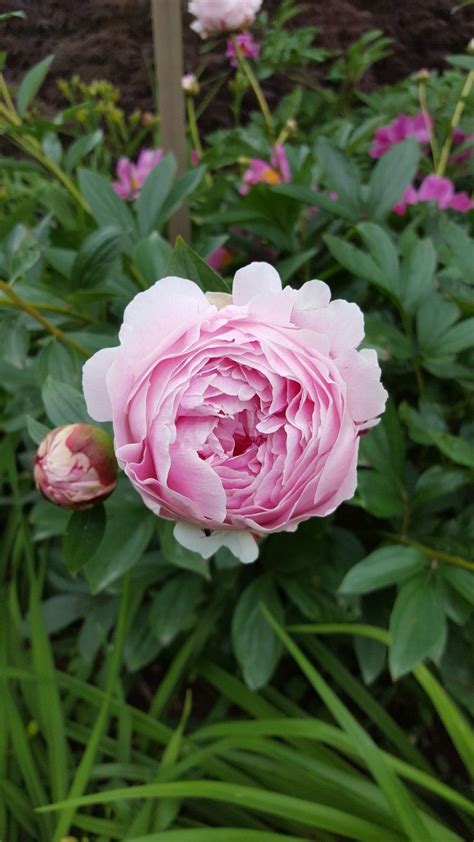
(356, 261)
(417, 279)
(461, 580)
(96, 257)
(384, 447)
(83, 535)
(173, 608)
(371, 656)
(458, 338)
(383, 335)
(466, 62)
(433, 319)
(385, 566)
(8, 15)
(313, 198)
(154, 193)
(341, 174)
(63, 403)
(36, 430)
(392, 173)
(31, 84)
(379, 494)
(185, 263)
(438, 481)
(178, 555)
(82, 147)
(182, 188)
(384, 254)
(127, 534)
(417, 623)
(254, 642)
(456, 448)
(107, 208)
(151, 257)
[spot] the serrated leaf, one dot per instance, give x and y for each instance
(385, 566)
(83, 535)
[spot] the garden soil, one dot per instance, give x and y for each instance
(111, 39)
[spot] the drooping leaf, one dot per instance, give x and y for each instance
(31, 84)
(83, 535)
(417, 623)
(385, 566)
(255, 644)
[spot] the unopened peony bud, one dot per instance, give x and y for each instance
(75, 466)
(190, 84)
(422, 74)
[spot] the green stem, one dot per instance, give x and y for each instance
(255, 85)
(193, 126)
(430, 552)
(23, 305)
(53, 308)
(426, 115)
(83, 773)
(455, 120)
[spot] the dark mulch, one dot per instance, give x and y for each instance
(111, 39)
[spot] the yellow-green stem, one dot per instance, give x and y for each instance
(23, 305)
(455, 120)
(427, 118)
(433, 553)
(193, 126)
(255, 85)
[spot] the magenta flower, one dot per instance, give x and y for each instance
(132, 177)
(75, 466)
(259, 171)
(400, 129)
(459, 139)
(433, 188)
(219, 259)
(246, 47)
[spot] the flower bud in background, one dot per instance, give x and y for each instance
(190, 84)
(244, 46)
(75, 466)
(214, 16)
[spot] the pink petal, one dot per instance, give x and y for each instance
(366, 397)
(94, 385)
(254, 279)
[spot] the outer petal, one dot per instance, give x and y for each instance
(255, 279)
(240, 541)
(366, 397)
(169, 304)
(94, 384)
(342, 322)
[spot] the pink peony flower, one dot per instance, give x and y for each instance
(404, 126)
(433, 188)
(246, 47)
(132, 177)
(75, 466)
(214, 16)
(260, 171)
(220, 259)
(238, 416)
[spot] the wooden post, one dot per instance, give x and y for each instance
(168, 51)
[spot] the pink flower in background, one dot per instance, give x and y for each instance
(75, 466)
(195, 157)
(459, 139)
(400, 129)
(259, 171)
(215, 16)
(246, 47)
(132, 177)
(433, 188)
(238, 415)
(220, 258)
